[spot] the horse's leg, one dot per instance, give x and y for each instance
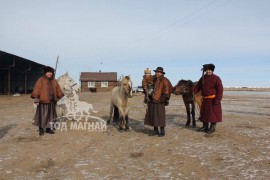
(121, 123)
(126, 119)
(111, 111)
(122, 120)
(193, 114)
(188, 113)
(115, 115)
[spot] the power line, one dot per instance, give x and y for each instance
(180, 22)
(159, 31)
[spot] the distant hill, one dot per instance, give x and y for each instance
(246, 88)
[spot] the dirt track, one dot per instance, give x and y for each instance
(239, 149)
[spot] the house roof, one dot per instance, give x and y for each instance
(98, 76)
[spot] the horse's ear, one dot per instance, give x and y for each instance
(127, 77)
(190, 83)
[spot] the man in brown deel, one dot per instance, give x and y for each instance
(155, 116)
(211, 88)
(45, 94)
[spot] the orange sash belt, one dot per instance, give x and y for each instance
(210, 96)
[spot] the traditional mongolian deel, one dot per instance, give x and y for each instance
(212, 91)
(46, 92)
(155, 115)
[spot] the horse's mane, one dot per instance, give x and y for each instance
(189, 83)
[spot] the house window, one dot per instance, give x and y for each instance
(104, 84)
(91, 84)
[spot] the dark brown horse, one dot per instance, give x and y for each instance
(185, 88)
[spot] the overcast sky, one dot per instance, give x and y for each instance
(127, 36)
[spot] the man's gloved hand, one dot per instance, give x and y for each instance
(146, 99)
(155, 101)
(216, 102)
(167, 102)
(36, 101)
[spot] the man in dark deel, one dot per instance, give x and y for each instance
(211, 88)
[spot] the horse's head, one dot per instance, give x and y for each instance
(67, 84)
(126, 84)
(183, 86)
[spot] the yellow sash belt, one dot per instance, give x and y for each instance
(210, 96)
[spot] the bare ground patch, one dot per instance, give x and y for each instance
(239, 149)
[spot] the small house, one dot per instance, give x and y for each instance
(98, 81)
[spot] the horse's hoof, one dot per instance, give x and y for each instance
(108, 122)
(120, 128)
(187, 125)
(127, 128)
(194, 126)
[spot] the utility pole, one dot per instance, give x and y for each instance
(56, 65)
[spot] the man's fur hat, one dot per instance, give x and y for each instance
(208, 67)
(48, 69)
(147, 71)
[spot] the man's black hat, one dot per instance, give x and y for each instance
(159, 69)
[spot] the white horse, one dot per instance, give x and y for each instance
(120, 102)
(70, 106)
(68, 84)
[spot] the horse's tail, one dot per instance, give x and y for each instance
(111, 112)
(198, 99)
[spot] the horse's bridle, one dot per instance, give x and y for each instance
(128, 93)
(70, 86)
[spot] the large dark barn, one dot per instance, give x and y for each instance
(17, 74)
